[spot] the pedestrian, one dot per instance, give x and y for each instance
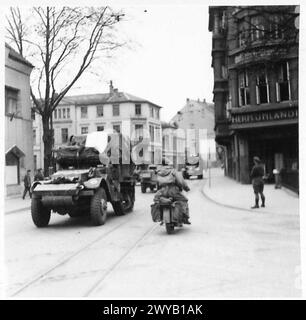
(39, 175)
(27, 184)
(257, 174)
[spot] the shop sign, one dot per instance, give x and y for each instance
(258, 54)
(262, 116)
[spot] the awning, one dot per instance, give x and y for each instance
(16, 151)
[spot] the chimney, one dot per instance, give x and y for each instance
(111, 88)
(187, 100)
(204, 100)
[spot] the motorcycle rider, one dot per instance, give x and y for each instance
(171, 183)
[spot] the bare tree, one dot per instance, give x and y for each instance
(62, 43)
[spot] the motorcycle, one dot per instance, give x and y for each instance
(169, 214)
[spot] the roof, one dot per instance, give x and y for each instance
(197, 105)
(16, 151)
(166, 125)
(103, 98)
(14, 55)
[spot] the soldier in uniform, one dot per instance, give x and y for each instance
(257, 174)
(27, 184)
(39, 175)
(171, 183)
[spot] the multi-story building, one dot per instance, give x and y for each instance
(116, 111)
(18, 124)
(196, 118)
(255, 63)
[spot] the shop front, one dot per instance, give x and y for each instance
(272, 135)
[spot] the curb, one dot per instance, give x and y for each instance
(232, 207)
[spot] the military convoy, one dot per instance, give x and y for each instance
(84, 185)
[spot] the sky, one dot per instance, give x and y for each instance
(169, 58)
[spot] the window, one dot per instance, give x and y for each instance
(116, 128)
(68, 113)
(139, 131)
(34, 136)
(11, 100)
(157, 130)
(100, 128)
(151, 130)
(32, 114)
(283, 85)
(242, 37)
(100, 111)
(55, 114)
(59, 113)
(83, 112)
(244, 91)
(116, 111)
(257, 28)
(151, 112)
(138, 109)
(157, 113)
(262, 86)
(84, 130)
(35, 162)
(64, 135)
(64, 113)
(276, 31)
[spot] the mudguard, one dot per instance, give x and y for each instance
(167, 215)
(93, 183)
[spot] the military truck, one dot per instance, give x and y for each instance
(193, 167)
(148, 178)
(83, 185)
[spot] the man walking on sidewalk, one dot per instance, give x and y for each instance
(257, 174)
(27, 184)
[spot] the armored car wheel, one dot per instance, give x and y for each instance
(98, 206)
(40, 215)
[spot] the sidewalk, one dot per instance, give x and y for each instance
(230, 193)
(16, 203)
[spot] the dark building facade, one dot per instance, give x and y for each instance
(255, 63)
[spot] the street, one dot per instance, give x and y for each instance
(225, 253)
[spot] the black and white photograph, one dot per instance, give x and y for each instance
(151, 150)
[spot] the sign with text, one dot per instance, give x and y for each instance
(264, 116)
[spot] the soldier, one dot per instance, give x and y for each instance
(257, 174)
(27, 184)
(171, 184)
(39, 175)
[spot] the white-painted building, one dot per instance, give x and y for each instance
(115, 111)
(198, 120)
(18, 122)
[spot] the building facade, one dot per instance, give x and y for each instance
(255, 64)
(196, 118)
(115, 111)
(18, 123)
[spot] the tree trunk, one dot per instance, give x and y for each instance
(48, 144)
